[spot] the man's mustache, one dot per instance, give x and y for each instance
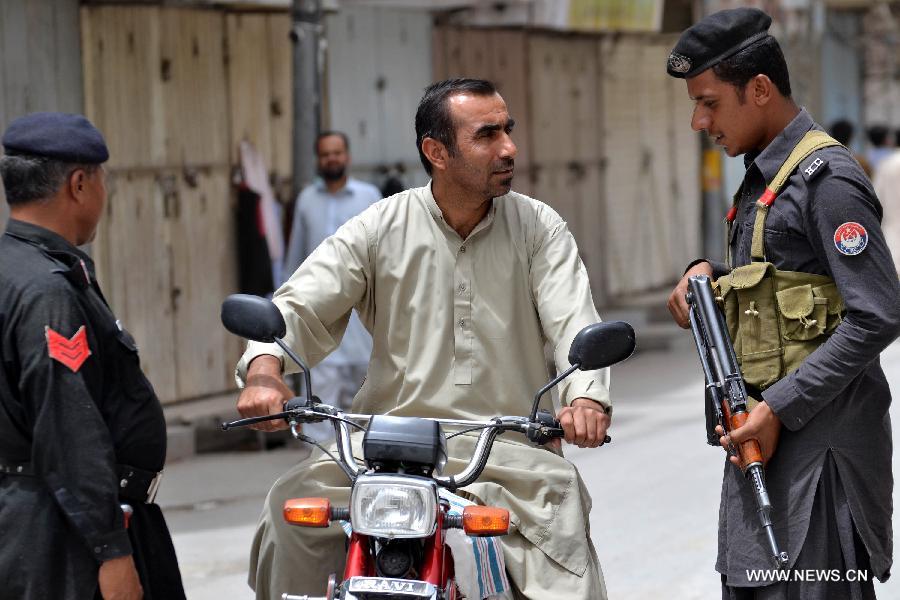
(505, 165)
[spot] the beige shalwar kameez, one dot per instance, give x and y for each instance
(458, 328)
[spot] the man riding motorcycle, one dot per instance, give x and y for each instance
(460, 283)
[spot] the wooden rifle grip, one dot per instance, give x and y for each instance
(750, 451)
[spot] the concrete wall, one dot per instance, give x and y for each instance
(378, 64)
(842, 78)
(604, 137)
(40, 61)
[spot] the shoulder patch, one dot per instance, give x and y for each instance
(72, 352)
(812, 166)
(851, 238)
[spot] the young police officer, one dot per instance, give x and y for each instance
(821, 384)
(81, 429)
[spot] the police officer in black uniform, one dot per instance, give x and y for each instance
(82, 433)
(829, 472)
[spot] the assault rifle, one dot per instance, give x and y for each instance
(728, 394)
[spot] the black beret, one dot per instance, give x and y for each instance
(64, 137)
(716, 37)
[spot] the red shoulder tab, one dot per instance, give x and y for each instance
(71, 352)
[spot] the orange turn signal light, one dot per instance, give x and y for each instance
(485, 520)
(308, 512)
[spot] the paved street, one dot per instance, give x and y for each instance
(655, 491)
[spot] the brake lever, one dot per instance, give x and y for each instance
(252, 420)
(292, 409)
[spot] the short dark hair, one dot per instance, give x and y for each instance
(877, 134)
(762, 58)
(842, 131)
(433, 117)
(28, 178)
(330, 133)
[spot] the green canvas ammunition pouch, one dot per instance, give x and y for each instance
(777, 318)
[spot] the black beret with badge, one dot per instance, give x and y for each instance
(60, 136)
(716, 37)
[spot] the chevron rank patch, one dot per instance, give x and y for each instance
(72, 352)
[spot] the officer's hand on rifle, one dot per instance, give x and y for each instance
(265, 393)
(762, 425)
(118, 579)
(677, 304)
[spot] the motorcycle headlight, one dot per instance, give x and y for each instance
(391, 506)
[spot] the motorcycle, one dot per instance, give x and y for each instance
(398, 520)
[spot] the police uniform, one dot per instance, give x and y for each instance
(81, 429)
(830, 478)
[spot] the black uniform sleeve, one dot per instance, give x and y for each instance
(867, 282)
(719, 269)
(72, 448)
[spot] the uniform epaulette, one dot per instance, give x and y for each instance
(813, 166)
(72, 268)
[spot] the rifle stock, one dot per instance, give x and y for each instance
(728, 394)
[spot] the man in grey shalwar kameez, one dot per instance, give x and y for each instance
(829, 473)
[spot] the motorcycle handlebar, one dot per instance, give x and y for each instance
(542, 430)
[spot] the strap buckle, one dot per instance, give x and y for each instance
(153, 488)
(138, 485)
(15, 468)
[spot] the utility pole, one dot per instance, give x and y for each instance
(306, 28)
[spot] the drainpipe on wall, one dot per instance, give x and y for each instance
(713, 204)
(306, 31)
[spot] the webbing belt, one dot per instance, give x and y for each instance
(135, 485)
(8, 467)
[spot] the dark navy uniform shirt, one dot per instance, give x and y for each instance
(837, 401)
(73, 404)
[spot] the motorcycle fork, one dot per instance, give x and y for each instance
(437, 562)
(449, 582)
(360, 561)
(437, 565)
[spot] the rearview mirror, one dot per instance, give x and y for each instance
(597, 346)
(252, 317)
(600, 345)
